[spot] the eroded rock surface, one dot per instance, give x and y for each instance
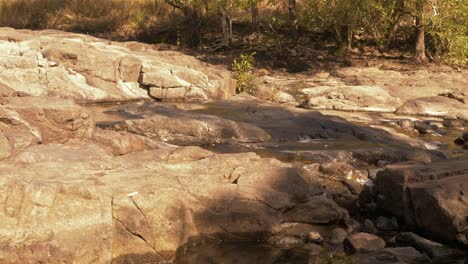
(67, 65)
(141, 205)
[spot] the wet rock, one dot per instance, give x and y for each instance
(364, 243)
(285, 242)
(459, 141)
(318, 210)
(313, 249)
(403, 255)
(369, 227)
(386, 224)
(453, 123)
(465, 136)
(433, 249)
(424, 128)
(352, 225)
(337, 236)
(302, 230)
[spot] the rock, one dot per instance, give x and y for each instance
(337, 236)
(403, 255)
(364, 243)
(407, 190)
(177, 126)
(351, 98)
(282, 97)
(434, 250)
(453, 123)
(301, 230)
(315, 237)
(352, 225)
(386, 224)
(312, 249)
(146, 203)
(459, 141)
(435, 106)
(406, 124)
(318, 210)
(337, 170)
(120, 143)
(26, 121)
(465, 136)
(369, 227)
(84, 68)
(285, 242)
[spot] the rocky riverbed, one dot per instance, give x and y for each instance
(125, 153)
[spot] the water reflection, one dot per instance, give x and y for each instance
(237, 253)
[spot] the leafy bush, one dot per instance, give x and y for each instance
(243, 73)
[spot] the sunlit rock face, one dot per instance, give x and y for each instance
(85, 205)
(67, 65)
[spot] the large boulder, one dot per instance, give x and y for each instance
(430, 197)
(80, 204)
(55, 63)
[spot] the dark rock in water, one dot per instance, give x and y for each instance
(369, 227)
(432, 249)
(337, 236)
(402, 255)
(453, 123)
(312, 249)
(364, 243)
(352, 225)
(409, 190)
(459, 141)
(318, 210)
(465, 136)
(386, 224)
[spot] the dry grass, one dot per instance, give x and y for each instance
(89, 16)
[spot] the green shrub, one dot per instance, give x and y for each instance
(243, 73)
